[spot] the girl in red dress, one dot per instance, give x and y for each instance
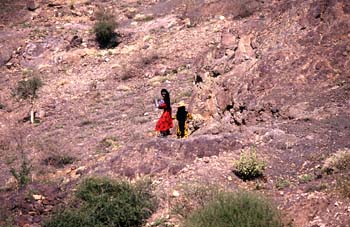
(165, 121)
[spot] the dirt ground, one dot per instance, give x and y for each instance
(266, 75)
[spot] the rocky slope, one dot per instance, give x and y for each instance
(273, 75)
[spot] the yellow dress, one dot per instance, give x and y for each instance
(186, 131)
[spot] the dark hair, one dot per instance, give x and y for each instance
(166, 98)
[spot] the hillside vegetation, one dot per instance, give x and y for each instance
(267, 84)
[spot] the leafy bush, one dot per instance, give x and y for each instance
(104, 29)
(71, 218)
(339, 163)
(343, 184)
(106, 202)
(249, 166)
(22, 175)
(235, 209)
(28, 88)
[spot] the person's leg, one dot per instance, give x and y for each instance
(182, 128)
(163, 134)
(186, 130)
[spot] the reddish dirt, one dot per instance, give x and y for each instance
(274, 76)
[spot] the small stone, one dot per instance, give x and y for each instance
(48, 208)
(143, 17)
(230, 53)
(9, 65)
(80, 170)
(176, 193)
(187, 22)
(65, 181)
(147, 38)
(38, 197)
(76, 13)
(40, 114)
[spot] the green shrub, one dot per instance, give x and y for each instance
(108, 144)
(107, 202)
(339, 164)
(104, 29)
(28, 88)
(71, 218)
(249, 166)
(305, 178)
(282, 183)
(22, 176)
(235, 209)
(343, 184)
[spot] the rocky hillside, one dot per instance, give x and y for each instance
(269, 75)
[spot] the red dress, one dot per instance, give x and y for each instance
(165, 121)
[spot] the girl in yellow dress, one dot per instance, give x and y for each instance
(182, 116)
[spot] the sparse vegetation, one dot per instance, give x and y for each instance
(58, 161)
(106, 202)
(130, 70)
(249, 166)
(108, 144)
(149, 58)
(282, 183)
(161, 222)
(22, 175)
(235, 209)
(343, 184)
(104, 29)
(245, 8)
(85, 122)
(194, 196)
(143, 17)
(318, 187)
(109, 141)
(339, 163)
(304, 178)
(28, 88)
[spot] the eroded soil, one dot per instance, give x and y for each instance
(273, 76)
